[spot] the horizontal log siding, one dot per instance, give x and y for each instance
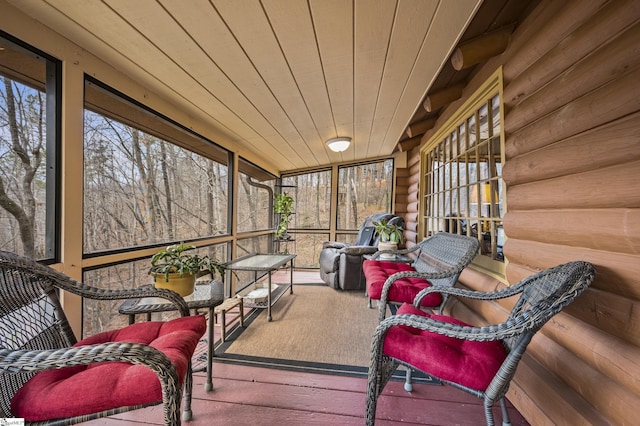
(572, 173)
(401, 190)
(608, 145)
(573, 192)
(413, 198)
(614, 229)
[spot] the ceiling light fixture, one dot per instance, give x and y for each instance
(339, 144)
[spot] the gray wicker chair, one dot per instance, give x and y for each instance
(438, 259)
(36, 336)
(496, 348)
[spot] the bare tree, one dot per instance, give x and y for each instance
(167, 190)
(318, 198)
(24, 117)
(352, 197)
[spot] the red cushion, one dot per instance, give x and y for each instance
(79, 390)
(403, 290)
(471, 364)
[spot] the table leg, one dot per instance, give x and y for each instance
(269, 299)
(208, 386)
(291, 279)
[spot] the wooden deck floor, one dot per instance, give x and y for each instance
(258, 396)
(264, 396)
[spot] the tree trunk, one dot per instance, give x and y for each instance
(25, 214)
(167, 190)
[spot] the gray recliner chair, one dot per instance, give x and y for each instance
(341, 263)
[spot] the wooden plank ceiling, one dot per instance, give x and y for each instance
(276, 76)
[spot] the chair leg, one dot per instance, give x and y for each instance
(373, 392)
(369, 302)
(381, 369)
(187, 414)
(408, 385)
(488, 414)
(506, 421)
(374, 379)
(380, 373)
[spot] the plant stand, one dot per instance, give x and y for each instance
(220, 315)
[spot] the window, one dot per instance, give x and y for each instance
(311, 194)
(29, 140)
(462, 180)
(363, 190)
(255, 192)
(147, 180)
(99, 315)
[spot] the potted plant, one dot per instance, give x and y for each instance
(177, 270)
(390, 235)
(283, 207)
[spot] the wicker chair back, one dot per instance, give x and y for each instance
(444, 252)
(31, 317)
(35, 335)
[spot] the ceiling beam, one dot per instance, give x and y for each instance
(409, 144)
(481, 48)
(443, 97)
(420, 127)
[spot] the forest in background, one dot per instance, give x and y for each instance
(141, 190)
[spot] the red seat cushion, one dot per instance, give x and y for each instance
(79, 390)
(471, 364)
(403, 290)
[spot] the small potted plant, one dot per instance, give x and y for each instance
(283, 207)
(390, 235)
(177, 270)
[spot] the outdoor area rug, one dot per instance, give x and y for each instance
(315, 329)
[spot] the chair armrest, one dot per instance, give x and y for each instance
(67, 283)
(500, 331)
(358, 250)
(95, 293)
(334, 244)
(386, 287)
(396, 252)
(469, 294)
(26, 361)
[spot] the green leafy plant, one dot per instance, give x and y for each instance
(283, 206)
(173, 259)
(389, 232)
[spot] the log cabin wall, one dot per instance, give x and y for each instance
(405, 203)
(572, 173)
